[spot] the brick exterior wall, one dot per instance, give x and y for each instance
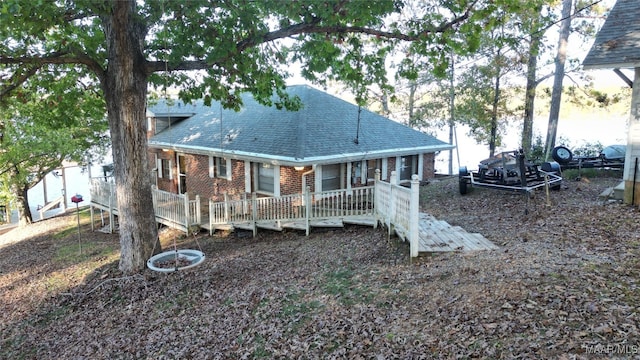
(391, 166)
(166, 184)
(199, 183)
(428, 169)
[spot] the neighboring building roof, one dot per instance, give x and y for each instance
(617, 44)
(322, 131)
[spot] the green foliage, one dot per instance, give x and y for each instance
(537, 150)
(215, 50)
(53, 117)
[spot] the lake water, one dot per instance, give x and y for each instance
(578, 131)
(77, 182)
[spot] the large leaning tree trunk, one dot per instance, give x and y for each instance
(22, 201)
(556, 92)
(125, 90)
(530, 94)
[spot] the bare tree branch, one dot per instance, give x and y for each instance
(57, 58)
(18, 80)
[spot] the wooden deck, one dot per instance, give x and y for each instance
(435, 235)
(395, 206)
(438, 236)
(297, 225)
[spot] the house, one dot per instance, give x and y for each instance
(617, 46)
(328, 144)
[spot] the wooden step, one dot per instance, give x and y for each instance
(327, 223)
(269, 225)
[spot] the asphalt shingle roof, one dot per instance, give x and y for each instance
(321, 132)
(617, 44)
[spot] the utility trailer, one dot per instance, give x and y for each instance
(510, 171)
(611, 157)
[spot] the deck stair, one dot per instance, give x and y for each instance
(440, 236)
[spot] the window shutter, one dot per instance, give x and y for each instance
(228, 169)
(170, 170)
(159, 165)
(212, 172)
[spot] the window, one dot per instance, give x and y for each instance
(330, 177)
(408, 166)
(182, 174)
(266, 178)
(221, 168)
(164, 170)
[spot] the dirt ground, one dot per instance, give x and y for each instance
(563, 285)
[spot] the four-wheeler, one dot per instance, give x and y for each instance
(510, 171)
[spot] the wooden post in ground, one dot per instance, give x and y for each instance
(307, 209)
(186, 212)
(254, 213)
(414, 217)
(631, 173)
(392, 201)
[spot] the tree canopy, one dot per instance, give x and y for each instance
(49, 120)
(215, 50)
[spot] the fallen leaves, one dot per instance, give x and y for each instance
(565, 280)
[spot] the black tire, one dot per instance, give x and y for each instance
(562, 154)
(463, 173)
(464, 187)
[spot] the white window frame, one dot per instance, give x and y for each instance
(276, 179)
(320, 177)
(179, 174)
(161, 168)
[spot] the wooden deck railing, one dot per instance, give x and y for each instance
(391, 204)
(398, 208)
(297, 207)
(175, 210)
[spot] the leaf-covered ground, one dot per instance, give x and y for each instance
(564, 284)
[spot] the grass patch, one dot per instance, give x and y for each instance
(342, 285)
(297, 310)
(70, 253)
(85, 219)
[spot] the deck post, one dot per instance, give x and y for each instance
(111, 216)
(226, 207)
(307, 209)
(254, 213)
(392, 202)
(186, 212)
(414, 209)
(211, 213)
(91, 211)
(197, 210)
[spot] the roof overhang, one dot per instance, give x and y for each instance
(290, 161)
(622, 65)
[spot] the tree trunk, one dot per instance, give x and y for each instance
(530, 94)
(452, 124)
(22, 204)
(413, 87)
(494, 114)
(125, 90)
(556, 92)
